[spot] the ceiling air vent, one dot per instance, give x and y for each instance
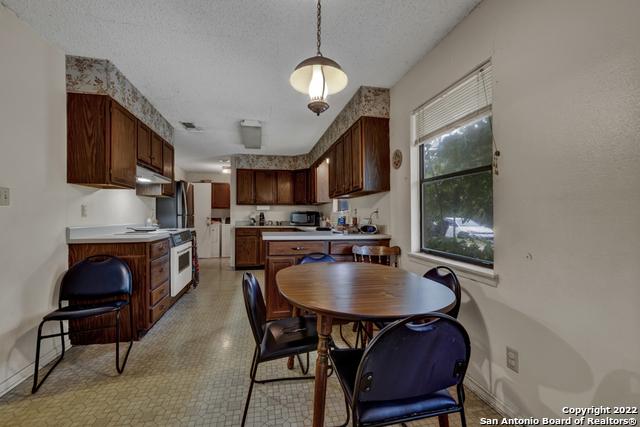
(251, 133)
(191, 127)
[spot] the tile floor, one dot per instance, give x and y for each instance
(191, 369)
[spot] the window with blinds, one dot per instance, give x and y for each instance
(454, 132)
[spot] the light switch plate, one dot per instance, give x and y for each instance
(5, 198)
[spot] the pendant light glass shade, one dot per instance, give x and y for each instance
(318, 77)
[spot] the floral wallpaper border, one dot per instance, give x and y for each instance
(101, 76)
(367, 101)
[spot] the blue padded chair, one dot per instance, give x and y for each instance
(446, 276)
(97, 277)
(276, 339)
(316, 257)
(404, 373)
(322, 257)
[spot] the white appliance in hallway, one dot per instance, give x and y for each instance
(208, 232)
(215, 239)
(225, 241)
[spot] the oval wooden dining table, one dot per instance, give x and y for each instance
(356, 291)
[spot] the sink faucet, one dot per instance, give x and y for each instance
(376, 213)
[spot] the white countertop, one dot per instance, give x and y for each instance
(320, 235)
(115, 234)
(266, 226)
(297, 227)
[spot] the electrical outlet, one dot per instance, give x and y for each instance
(512, 360)
(83, 211)
(5, 198)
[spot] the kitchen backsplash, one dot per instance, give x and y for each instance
(100, 76)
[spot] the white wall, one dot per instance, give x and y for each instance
(106, 206)
(566, 202)
(33, 253)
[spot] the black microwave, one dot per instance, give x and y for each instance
(309, 218)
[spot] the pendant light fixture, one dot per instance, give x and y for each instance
(318, 76)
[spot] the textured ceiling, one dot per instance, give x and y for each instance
(216, 62)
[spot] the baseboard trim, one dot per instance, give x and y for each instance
(27, 372)
(487, 397)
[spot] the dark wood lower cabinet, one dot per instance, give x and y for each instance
(282, 254)
(247, 250)
(151, 272)
(277, 306)
(250, 248)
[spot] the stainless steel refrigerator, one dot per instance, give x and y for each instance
(177, 211)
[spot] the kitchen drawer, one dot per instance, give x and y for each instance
(159, 309)
(247, 232)
(296, 247)
(160, 269)
(344, 247)
(160, 292)
(159, 249)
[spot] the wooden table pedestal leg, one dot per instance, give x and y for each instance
(443, 420)
(322, 362)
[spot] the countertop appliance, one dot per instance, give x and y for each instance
(368, 229)
(177, 211)
(181, 259)
(307, 218)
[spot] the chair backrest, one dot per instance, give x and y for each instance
(376, 254)
(254, 303)
(316, 257)
(413, 357)
(446, 276)
(96, 277)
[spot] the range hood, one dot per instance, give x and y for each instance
(147, 176)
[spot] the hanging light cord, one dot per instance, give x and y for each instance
(319, 20)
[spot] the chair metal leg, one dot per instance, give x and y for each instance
(36, 386)
(305, 370)
(252, 375)
(463, 420)
(119, 368)
(346, 423)
(344, 339)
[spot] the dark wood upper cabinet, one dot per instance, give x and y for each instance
(220, 195)
(245, 189)
(265, 187)
(144, 144)
(301, 187)
(284, 181)
(101, 142)
(167, 159)
(346, 162)
(157, 148)
(340, 169)
(123, 146)
(356, 157)
(333, 184)
(359, 160)
(167, 169)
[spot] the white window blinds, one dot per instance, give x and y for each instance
(465, 100)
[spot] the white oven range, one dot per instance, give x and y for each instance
(181, 260)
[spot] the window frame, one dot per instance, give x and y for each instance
(456, 174)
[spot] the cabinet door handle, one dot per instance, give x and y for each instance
(298, 248)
